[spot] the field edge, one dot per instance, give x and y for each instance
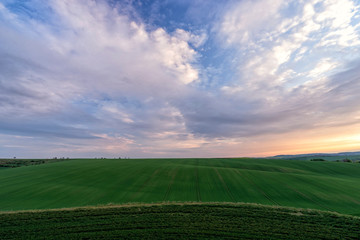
(175, 203)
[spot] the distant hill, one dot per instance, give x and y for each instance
(340, 154)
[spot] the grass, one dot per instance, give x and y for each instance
(329, 186)
(179, 221)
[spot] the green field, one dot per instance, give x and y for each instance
(327, 186)
(182, 221)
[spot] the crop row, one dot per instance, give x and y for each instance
(179, 221)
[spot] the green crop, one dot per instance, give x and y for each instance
(326, 185)
(182, 221)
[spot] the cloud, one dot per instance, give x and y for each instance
(247, 20)
(285, 81)
(88, 77)
(89, 60)
(274, 40)
(95, 51)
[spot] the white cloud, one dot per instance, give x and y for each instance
(324, 66)
(89, 50)
(112, 111)
(94, 76)
(195, 39)
(98, 48)
(337, 16)
(286, 37)
(249, 19)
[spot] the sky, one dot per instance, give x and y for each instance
(178, 78)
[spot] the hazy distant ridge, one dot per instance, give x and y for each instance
(319, 154)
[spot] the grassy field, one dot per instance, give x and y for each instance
(182, 221)
(328, 186)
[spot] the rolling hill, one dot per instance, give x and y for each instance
(329, 186)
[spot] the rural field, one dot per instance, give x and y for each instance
(179, 221)
(180, 198)
(329, 186)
